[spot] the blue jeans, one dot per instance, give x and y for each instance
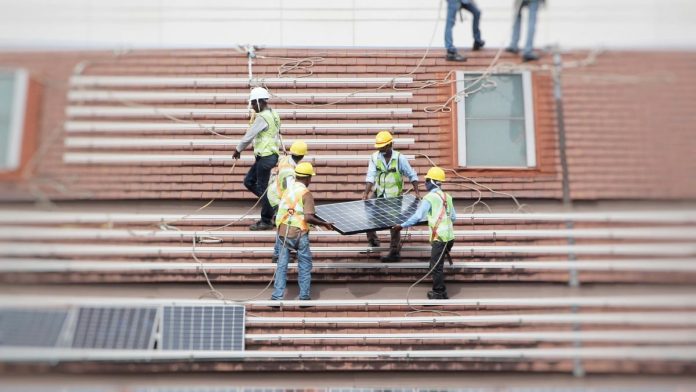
(304, 266)
(256, 181)
(533, 6)
(452, 9)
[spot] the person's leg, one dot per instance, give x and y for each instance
(516, 26)
(452, 8)
(372, 238)
(304, 267)
(282, 267)
(476, 15)
(531, 27)
(395, 244)
(263, 174)
(250, 178)
(437, 259)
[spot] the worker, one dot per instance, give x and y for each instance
(438, 207)
(264, 132)
(295, 214)
(384, 176)
(454, 6)
(533, 6)
(284, 177)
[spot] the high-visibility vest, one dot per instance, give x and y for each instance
(388, 182)
(291, 207)
(267, 142)
(277, 185)
(439, 220)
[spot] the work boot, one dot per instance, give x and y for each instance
(478, 45)
(305, 306)
(261, 225)
(530, 57)
(392, 257)
(512, 50)
(454, 56)
(434, 295)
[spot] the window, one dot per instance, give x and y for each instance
(495, 121)
(13, 100)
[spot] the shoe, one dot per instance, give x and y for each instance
(530, 57)
(454, 56)
(373, 242)
(391, 258)
(261, 225)
(512, 50)
(478, 45)
(305, 306)
(434, 295)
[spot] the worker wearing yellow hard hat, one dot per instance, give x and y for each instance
(295, 214)
(439, 209)
(384, 179)
(264, 134)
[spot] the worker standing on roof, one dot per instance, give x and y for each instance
(264, 132)
(284, 177)
(295, 214)
(384, 174)
(438, 207)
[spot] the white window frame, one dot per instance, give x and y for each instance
(528, 123)
(17, 116)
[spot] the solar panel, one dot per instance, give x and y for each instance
(212, 327)
(31, 327)
(365, 215)
(114, 327)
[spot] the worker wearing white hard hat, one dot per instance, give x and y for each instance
(264, 135)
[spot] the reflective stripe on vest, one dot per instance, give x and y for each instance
(286, 169)
(388, 182)
(266, 142)
(439, 220)
(291, 207)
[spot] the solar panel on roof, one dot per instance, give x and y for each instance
(365, 215)
(31, 327)
(114, 327)
(203, 328)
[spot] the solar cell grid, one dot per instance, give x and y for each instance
(31, 327)
(114, 328)
(203, 328)
(365, 215)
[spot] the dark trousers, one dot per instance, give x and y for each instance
(438, 255)
(256, 181)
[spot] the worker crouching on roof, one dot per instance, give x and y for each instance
(264, 132)
(384, 173)
(295, 214)
(441, 214)
(284, 177)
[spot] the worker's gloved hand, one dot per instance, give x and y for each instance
(236, 154)
(397, 227)
(365, 195)
(328, 225)
(417, 195)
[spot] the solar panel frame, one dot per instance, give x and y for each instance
(361, 216)
(203, 327)
(35, 327)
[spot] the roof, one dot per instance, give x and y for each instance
(626, 117)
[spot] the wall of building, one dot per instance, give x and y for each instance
(403, 23)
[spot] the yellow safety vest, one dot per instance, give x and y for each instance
(266, 142)
(439, 221)
(388, 182)
(291, 207)
(277, 185)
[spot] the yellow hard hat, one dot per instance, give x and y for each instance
(383, 138)
(298, 148)
(304, 169)
(435, 173)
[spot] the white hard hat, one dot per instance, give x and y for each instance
(259, 93)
